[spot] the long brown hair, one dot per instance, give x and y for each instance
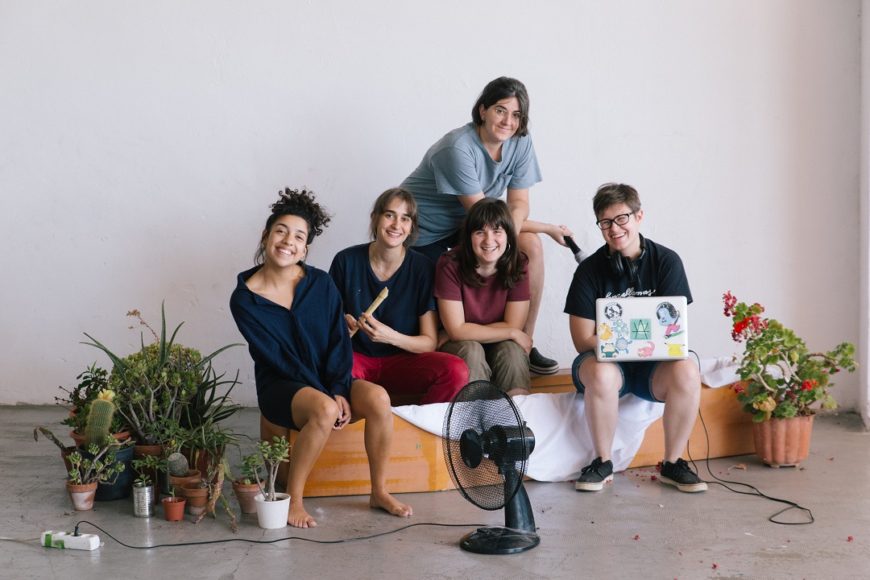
(495, 214)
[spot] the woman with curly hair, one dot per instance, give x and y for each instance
(483, 297)
(290, 313)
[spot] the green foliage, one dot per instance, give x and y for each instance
(147, 467)
(780, 377)
(157, 384)
(269, 455)
(78, 399)
(97, 464)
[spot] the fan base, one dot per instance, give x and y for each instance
(499, 541)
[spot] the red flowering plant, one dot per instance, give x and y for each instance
(780, 377)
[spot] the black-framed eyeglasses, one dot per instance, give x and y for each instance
(619, 220)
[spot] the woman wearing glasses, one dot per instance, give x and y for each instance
(483, 159)
(629, 265)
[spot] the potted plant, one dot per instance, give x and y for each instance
(781, 381)
(246, 486)
(173, 507)
(155, 383)
(272, 507)
(143, 486)
(86, 472)
(208, 445)
(77, 400)
(148, 468)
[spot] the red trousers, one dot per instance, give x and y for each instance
(427, 377)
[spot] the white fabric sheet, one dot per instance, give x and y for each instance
(563, 444)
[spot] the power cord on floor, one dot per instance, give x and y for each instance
(250, 541)
(753, 490)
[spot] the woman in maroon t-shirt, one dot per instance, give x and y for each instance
(483, 298)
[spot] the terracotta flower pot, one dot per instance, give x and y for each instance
(783, 442)
(197, 498)
(245, 493)
(173, 508)
(192, 478)
(82, 495)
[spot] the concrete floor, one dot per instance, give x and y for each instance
(636, 528)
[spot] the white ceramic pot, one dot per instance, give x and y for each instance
(272, 515)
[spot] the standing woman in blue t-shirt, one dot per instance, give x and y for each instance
(395, 345)
(482, 289)
(481, 160)
(290, 314)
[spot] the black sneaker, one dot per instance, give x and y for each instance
(679, 474)
(540, 364)
(595, 475)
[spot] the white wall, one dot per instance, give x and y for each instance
(142, 143)
(864, 212)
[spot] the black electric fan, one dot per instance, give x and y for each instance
(486, 447)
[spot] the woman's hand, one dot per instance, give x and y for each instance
(351, 323)
(343, 413)
(375, 330)
(558, 233)
(522, 339)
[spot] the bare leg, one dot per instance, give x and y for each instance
(678, 384)
(534, 249)
(602, 382)
(372, 403)
(315, 413)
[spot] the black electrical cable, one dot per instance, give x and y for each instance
(250, 541)
(755, 491)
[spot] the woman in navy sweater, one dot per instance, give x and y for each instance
(291, 316)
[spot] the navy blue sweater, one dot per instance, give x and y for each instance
(307, 343)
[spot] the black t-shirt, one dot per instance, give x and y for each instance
(659, 273)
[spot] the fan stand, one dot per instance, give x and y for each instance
(518, 533)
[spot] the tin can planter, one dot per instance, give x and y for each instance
(82, 495)
(197, 498)
(272, 515)
(143, 500)
(783, 442)
(173, 508)
(245, 494)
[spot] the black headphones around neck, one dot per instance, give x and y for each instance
(624, 267)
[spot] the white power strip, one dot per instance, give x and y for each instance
(67, 541)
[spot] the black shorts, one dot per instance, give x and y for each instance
(274, 397)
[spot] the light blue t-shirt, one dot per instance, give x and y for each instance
(458, 164)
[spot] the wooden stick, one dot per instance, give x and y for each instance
(374, 306)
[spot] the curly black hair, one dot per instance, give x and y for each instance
(299, 203)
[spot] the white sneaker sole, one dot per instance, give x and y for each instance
(685, 487)
(592, 486)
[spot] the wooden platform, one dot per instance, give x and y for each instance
(417, 462)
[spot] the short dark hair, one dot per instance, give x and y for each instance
(299, 203)
(380, 206)
(495, 214)
(503, 88)
(614, 193)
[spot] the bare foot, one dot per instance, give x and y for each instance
(298, 517)
(389, 504)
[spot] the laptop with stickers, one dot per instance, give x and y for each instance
(641, 328)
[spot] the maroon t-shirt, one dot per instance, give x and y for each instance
(483, 305)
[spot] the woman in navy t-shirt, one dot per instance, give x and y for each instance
(395, 345)
(290, 314)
